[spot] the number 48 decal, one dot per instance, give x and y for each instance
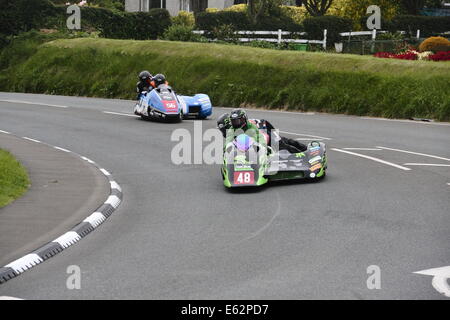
(244, 177)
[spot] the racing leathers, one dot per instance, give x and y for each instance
(267, 134)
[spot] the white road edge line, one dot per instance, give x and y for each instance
(121, 114)
(308, 113)
(34, 140)
(373, 159)
(308, 139)
(305, 135)
(427, 164)
(6, 132)
(407, 121)
(35, 103)
(62, 149)
(416, 153)
(439, 280)
(363, 149)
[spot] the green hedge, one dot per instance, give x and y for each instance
(17, 16)
(334, 25)
(428, 26)
(125, 25)
(240, 21)
(23, 15)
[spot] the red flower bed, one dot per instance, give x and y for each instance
(412, 55)
(406, 56)
(440, 56)
(403, 56)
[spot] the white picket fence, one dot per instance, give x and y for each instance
(372, 33)
(279, 39)
(280, 33)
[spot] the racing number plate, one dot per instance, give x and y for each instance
(170, 106)
(244, 177)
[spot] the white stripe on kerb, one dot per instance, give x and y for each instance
(25, 263)
(115, 185)
(105, 172)
(416, 153)
(34, 140)
(5, 132)
(95, 219)
(62, 149)
(114, 201)
(373, 159)
(68, 239)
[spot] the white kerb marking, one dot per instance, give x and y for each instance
(115, 185)
(95, 219)
(106, 173)
(25, 263)
(68, 239)
(35, 103)
(440, 277)
(416, 153)
(305, 135)
(114, 201)
(6, 132)
(34, 140)
(62, 149)
(373, 159)
(427, 164)
(121, 114)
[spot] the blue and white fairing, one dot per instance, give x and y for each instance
(198, 106)
(160, 103)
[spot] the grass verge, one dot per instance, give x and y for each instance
(235, 76)
(13, 178)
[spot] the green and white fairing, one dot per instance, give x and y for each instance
(254, 164)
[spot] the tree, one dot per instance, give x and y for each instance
(256, 8)
(317, 7)
(412, 6)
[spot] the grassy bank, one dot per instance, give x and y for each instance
(235, 76)
(13, 178)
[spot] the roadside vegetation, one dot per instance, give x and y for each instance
(13, 178)
(232, 75)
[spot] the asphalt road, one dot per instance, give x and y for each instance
(180, 235)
